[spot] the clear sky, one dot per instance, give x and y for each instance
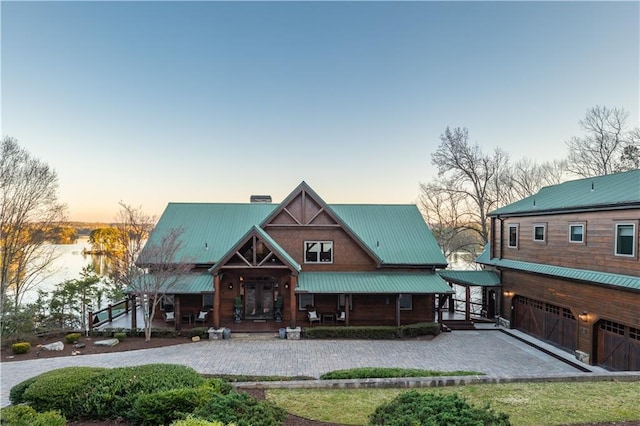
(154, 102)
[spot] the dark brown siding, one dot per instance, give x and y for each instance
(597, 252)
(347, 254)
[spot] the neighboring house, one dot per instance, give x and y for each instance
(369, 264)
(568, 260)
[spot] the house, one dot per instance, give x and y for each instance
(353, 264)
(568, 261)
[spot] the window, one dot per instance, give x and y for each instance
(304, 300)
(513, 236)
(625, 239)
(539, 232)
(341, 302)
(406, 302)
(207, 299)
(576, 233)
(318, 251)
(167, 302)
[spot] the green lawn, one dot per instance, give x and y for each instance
(525, 403)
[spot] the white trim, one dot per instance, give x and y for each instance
(583, 226)
(634, 242)
(544, 232)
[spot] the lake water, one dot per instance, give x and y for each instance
(67, 266)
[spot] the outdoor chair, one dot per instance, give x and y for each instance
(313, 317)
(202, 317)
(169, 317)
(341, 316)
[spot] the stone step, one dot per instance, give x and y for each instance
(254, 336)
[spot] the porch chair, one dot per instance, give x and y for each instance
(202, 316)
(313, 317)
(170, 317)
(341, 316)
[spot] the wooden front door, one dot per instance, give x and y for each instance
(258, 300)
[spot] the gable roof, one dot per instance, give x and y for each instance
(394, 235)
(613, 191)
(471, 278)
(397, 234)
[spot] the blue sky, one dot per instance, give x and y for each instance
(154, 102)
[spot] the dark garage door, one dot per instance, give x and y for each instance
(547, 322)
(618, 346)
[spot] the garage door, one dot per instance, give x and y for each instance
(618, 346)
(546, 321)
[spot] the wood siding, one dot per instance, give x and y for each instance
(596, 253)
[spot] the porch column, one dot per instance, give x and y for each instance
(398, 309)
(134, 312)
(178, 316)
(467, 303)
(293, 303)
(216, 301)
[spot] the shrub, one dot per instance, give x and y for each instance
(72, 337)
(23, 415)
(414, 408)
(382, 373)
(242, 410)
(198, 331)
(161, 408)
(113, 393)
(64, 389)
(120, 336)
(352, 332)
(21, 348)
(16, 393)
(194, 421)
(420, 329)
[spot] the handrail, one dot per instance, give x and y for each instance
(113, 311)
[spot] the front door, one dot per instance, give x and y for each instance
(259, 300)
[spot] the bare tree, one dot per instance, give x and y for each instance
(473, 176)
(446, 215)
(600, 150)
(527, 177)
(29, 212)
(148, 265)
(159, 271)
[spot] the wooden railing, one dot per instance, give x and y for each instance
(109, 313)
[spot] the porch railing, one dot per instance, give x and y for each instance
(108, 314)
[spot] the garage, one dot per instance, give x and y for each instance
(546, 321)
(618, 346)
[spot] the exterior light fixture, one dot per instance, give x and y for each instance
(584, 316)
(230, 286)
(508, 293)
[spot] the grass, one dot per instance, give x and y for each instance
(525, 403)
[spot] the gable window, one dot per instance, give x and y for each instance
(318, 251)
(625, 239)
(406, 302)
(513, 236)
(539, 232)
(576, 233)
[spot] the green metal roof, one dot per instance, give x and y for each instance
(372, 282)
(209, 229)
(397, 234)
(616, 280)
(471, 278)
(186, 284)
(610, 191)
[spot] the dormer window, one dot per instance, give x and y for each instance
(318, 251)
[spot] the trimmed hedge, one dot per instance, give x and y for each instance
(372, 332)
(199, 332)
(64, 389)
(120, 336)
(155, 332)
(383, 373)
(113, 393)
(161, 408)
(21, 348)
(23, 415)
(194, 421)
(72, 338)
(415, 408)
